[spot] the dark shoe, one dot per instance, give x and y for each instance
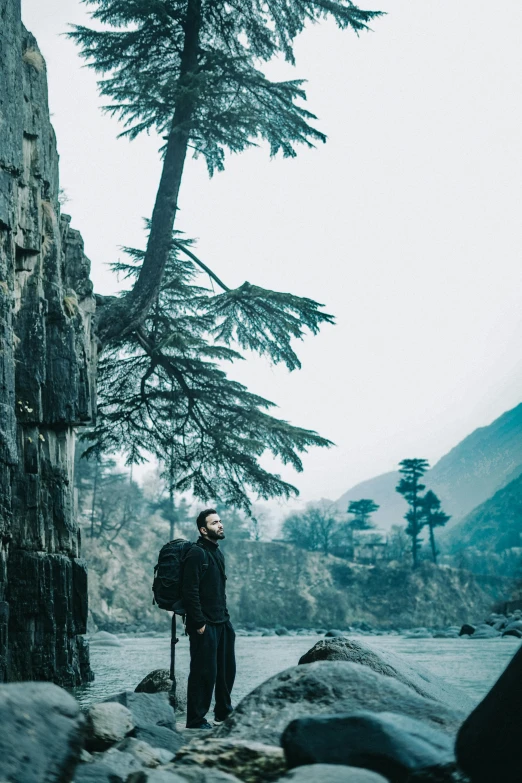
(222, 720)
(204, 725)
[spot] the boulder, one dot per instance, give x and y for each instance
(414, 676)
(498, 621)
(447, 633)
(107, 723)
(147, 708)
(485, 631)
(330, 773)
(248, 760)
(513, 632)
(282, 631)
(418, 633)
(326, 687)
(42, 733)
(159, 737)
(390, 744)
(104, 639)
(97, 772)
(513, 625)
(488, 743)
(157, 681)
(145, 753)
(334, 633)
(495, 618)
(467, 630)
(173, 774)
(120, 764)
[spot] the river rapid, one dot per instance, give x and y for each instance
(471, 665)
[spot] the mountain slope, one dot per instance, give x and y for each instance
(494, 526)
(469, 474)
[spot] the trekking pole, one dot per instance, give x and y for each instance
(173, 641)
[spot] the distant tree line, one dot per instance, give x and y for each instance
(322, 527)
(113, 507)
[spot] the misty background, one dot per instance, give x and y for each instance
(406, 224)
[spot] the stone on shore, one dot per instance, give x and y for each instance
(329, 687)
(418, 633)
(416, 677)
(42, 733)
(147, 755)
(331, 773)
(512, 625)
(488, 743)
(248, 760)
(485, 631)
(97, 772)
(104, 639)
(390, 744)
(517, 632)
(467, 630)
(147, 709)
(107, 723)
(159, 737)
(120, 763)
(157, 681)
(173, 774)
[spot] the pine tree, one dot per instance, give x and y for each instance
(163, 391)
(193, 71)
(433, 517)
(362, 511)
(411, 489)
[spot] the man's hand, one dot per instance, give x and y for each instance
(201, 630)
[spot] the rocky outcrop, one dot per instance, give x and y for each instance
(329, 687)
(47, 367)
(416, 677)
(42, 733)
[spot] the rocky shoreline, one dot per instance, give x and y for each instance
(494, 626)
(344, 713)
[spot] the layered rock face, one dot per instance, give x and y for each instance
(47, 372)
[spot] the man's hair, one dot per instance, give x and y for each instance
(202, 517)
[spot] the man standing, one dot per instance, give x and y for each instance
(212, 657)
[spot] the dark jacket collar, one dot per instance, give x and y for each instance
(212, 545)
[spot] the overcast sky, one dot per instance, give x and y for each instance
(406, 224)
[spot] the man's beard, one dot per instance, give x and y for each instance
(215, 536)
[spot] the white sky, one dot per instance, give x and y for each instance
(406, 224)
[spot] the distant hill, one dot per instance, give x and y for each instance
(468, 475)
(493, 527)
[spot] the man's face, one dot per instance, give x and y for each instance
(214, 528)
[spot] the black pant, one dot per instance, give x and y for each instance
(212, 664)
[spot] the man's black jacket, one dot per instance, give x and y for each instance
(204, 579)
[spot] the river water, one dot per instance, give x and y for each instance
(472, 665)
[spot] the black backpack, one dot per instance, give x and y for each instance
(168, 575)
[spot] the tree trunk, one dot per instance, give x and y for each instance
(94, 493)
(123, 316)
(433, 547)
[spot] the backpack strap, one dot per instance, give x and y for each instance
(206, 554)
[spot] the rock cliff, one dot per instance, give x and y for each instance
(47, 371)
